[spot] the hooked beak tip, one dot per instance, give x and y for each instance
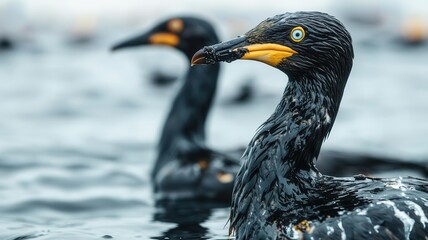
(199, 58)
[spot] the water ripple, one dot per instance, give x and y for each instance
(73, 207)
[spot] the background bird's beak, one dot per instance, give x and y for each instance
(239, 48)
(132, 42)
(159, 38)
(222, 52)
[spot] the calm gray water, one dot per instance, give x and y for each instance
(79, 125)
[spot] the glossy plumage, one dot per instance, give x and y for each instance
(279, 193)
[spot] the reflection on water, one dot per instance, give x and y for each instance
(191, 231)
(188, 217)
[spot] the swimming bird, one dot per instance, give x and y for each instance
(185, 167)
(278, 192)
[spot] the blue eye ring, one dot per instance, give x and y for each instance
(297, 34)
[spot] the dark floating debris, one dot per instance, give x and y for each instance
(162, 79)
(6, 43)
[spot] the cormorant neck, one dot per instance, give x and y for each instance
(184, 129)
(278, 167)
(306, 115)
(293, 135)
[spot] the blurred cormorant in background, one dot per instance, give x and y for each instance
(279, 193)
(185, 167)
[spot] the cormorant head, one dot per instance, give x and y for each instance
(187, 34)
(299, 44)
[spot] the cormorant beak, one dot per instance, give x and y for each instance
(160, 38)
(239, 48)
(222, 52)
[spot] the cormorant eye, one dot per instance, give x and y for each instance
(297, 34)
(175, 25)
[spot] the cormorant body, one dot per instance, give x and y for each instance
(185, 167)
(278, 192)
(343, 163)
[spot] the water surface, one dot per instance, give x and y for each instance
(79, 127)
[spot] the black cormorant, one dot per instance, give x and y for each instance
(185, 167)
(279, 193)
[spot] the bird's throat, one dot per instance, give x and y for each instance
(296, 130)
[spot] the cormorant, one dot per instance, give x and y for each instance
(185, 167)
(278, 192)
